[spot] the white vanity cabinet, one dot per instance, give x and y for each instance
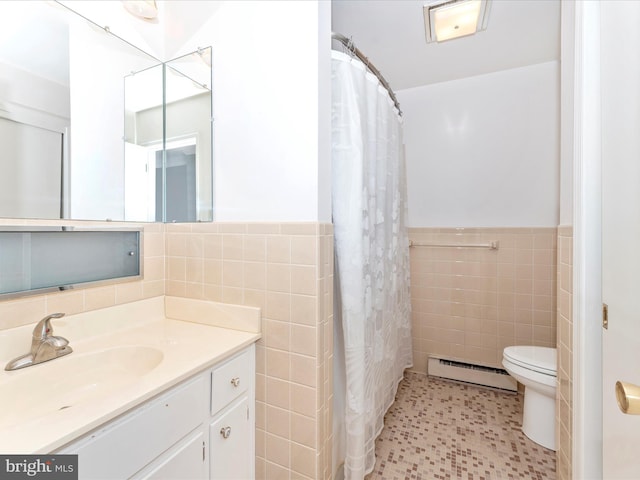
(202, 428)
(231, 429)
(186, 460)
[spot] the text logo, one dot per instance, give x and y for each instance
(50, 467)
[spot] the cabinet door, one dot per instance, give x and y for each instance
(230, 435)
(127, 445)
(186, 461)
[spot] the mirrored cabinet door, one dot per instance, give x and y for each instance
(85, 118)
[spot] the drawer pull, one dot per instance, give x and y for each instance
(235, 381)
(225, 432)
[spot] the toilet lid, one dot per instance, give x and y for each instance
(538, 359)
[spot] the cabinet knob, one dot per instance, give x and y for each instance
(225, 432)
(235, 381)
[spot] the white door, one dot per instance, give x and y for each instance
(620, 87)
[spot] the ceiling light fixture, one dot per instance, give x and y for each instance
(145, 9)
(449, 19)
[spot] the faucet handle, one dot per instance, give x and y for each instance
(43, 329)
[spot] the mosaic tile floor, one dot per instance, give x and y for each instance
(439, 429)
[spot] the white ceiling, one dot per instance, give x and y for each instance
(391, 34)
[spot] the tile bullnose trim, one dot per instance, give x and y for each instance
(565, 230)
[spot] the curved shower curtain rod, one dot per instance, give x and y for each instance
(349, 45)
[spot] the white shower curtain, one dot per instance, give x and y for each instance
(372, 258)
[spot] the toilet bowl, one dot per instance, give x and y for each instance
(536, 369)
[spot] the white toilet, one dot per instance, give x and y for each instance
(536, 369)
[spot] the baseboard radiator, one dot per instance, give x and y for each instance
(470, 373)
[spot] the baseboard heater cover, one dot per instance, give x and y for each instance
(470, 373)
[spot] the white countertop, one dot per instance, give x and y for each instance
(34, 423)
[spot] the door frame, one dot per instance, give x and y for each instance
(587, 245)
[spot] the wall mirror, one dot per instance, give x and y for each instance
(93, 128)
(168, 142)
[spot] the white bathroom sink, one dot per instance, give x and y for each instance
(122, 356)
(68, 381)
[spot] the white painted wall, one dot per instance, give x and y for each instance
(484, 151)
(30, 99)
(267, 118)
(324, 111)
(271, 96)
(97, 66)
(567, 79)
(97, 150)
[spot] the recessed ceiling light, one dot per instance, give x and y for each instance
(449, 19)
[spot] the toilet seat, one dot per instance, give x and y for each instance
(538, 359)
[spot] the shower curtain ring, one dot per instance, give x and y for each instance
(350, 46)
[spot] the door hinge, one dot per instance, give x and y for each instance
(203, 445)
(605, 316)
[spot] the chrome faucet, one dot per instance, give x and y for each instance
(44, 345)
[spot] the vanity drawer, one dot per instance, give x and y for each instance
(230, 379)
(125, 446)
